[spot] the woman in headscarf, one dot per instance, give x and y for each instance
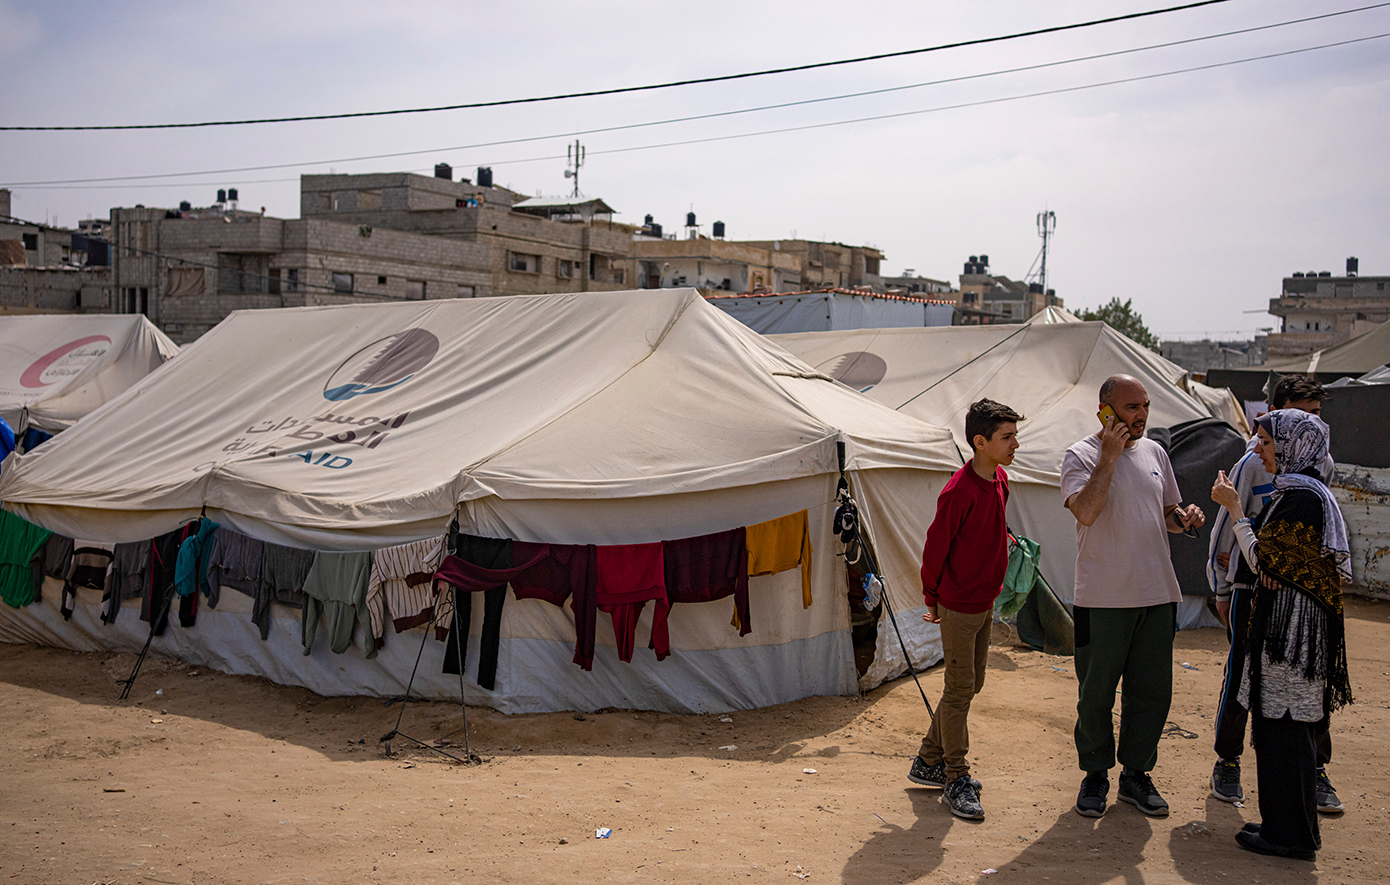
(1297, 556)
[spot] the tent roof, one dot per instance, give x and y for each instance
(1364, 353)
(63, 366)
(349, 427)
(1050, 372)
(1053, 314)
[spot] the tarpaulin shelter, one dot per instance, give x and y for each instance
(1360, 355)
(832, 309)
(1049, 371)
(56, 368)
(590, 418)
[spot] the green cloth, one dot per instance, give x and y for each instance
(1019, 578)
(19, 541)
(336, 587)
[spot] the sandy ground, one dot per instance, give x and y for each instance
(233, 779)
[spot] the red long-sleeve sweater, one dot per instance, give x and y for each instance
(967, 553)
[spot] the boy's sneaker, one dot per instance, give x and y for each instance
(1225, 781)
(1328, 803)
(1090, 802)
(963, 800)
(933, 775)
(1138, 789)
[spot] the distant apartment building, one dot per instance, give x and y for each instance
(537, 244)
(1200, 357)
(47, 269)
(188, 269)
(1319, 310)
(987, 297)
(832, 265)
(711, 265)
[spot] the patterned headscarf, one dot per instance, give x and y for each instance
(1301, 444)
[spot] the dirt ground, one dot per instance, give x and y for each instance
(203, 777)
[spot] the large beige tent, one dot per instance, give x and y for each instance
(582, 418)
(1050, 371)
(54, 369)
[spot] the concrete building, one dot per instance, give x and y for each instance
(711, 265)
(46, 269)
(187, 270)
(1200, 357)
(987, 297)
(829, 264)
(537, 245)
(1319, 310)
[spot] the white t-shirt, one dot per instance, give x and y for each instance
(1122, 560)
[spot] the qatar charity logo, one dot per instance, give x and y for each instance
(65, 362)
(858, 369)
(382, 365)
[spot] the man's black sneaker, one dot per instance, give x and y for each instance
(963, 800)
(1328, 803)
(932, 775)
(1090, 802)
(1138, 790)
(1225, 781)
(1256, 843)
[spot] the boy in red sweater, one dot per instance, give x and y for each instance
(963, 567)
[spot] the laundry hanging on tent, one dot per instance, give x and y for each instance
(567, 571)
(90, 562)
(20, 541)
(1019, 577)
(336, 587)
(489, 555)
(710, 567)
(126, 579)
(235, 561)
(628, 576)
(780, 544)
(51, 561)
(400, 582)
(6, 439)
(159, 592)
(283, 570)
(191, 567)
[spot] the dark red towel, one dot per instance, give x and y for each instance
(709, 567)
(628, 576)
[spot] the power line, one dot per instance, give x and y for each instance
(713, 115)
(979, 41)
(869, 119)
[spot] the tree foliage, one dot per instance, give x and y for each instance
(1123, 318)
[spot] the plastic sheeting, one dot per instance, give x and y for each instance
(62, 367)
(829, 311)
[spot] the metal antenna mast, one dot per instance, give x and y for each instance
(1047, 224)
(574, 155)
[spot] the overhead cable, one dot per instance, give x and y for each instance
(697, 117)
(979, 41)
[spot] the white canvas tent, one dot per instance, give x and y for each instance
(54, 369)
(582, 418)
(832, 310)
(1050, 371)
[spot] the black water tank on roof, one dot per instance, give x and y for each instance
(719, 230)
(1353, 266)
(444, 171)
(185, 206)
(1324, 273)
(690, 219)
(974, 259)
(647, 221)
(231, 194)
(484, 176)
(1298, 275)
(221, 195)
(984, 261)
(655, 229)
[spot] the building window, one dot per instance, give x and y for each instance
(273, 281)
(292, 280)
(520, 262)
(369, 199)
(342, 282)
(135, 300)
(243, 274)
(31, 242)
(462, 291)
(415, 290)
(564, 268)
(380, 280)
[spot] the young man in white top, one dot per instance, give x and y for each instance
(1122, 491)
(1254, 485)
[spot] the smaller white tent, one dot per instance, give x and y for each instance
(1050, 371)
(55, 368)
(587, 418)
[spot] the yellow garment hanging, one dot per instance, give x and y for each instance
(779, 544)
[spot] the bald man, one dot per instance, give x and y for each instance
(1122, 491)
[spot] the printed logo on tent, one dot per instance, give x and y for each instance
(66, 361)
(382, 365)
(858, 369)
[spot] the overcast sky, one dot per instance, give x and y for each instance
(1193, 194)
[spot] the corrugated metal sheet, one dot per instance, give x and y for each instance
(1364, 494)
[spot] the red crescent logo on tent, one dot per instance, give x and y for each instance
(63, 362)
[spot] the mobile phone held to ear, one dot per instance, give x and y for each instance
(1106, 414)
